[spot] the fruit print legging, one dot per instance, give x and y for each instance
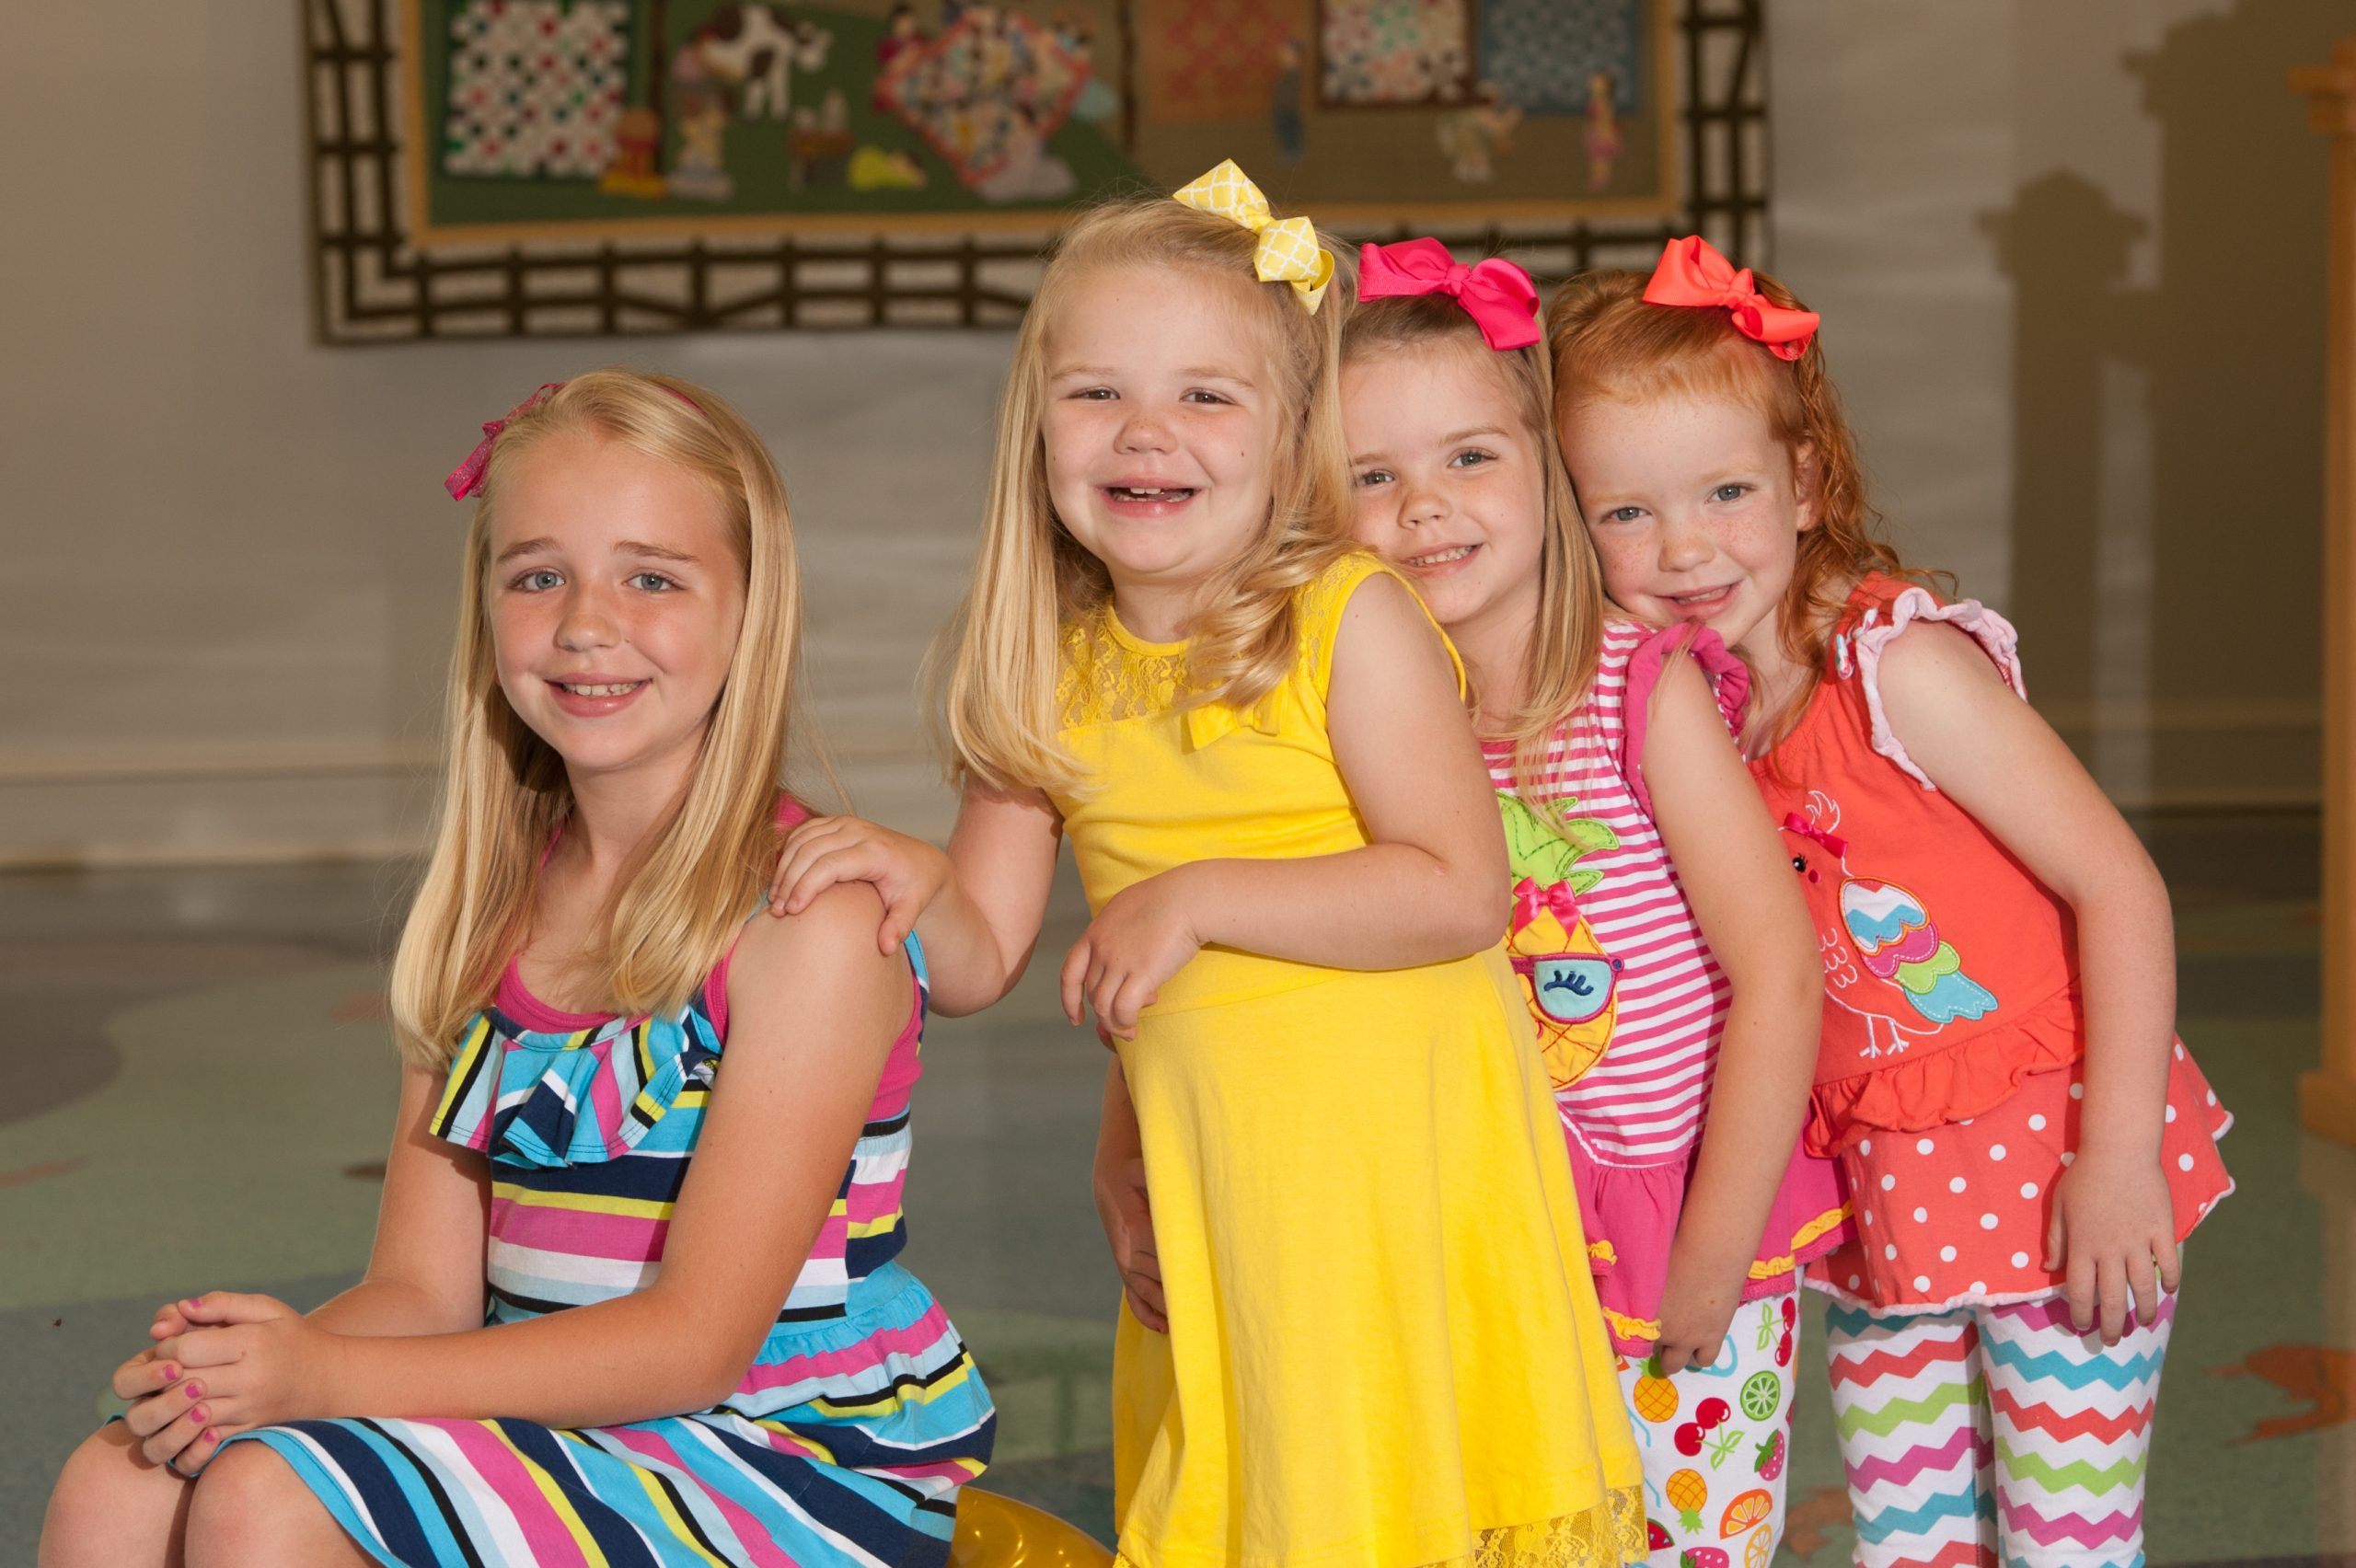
(1994, 1434)
(1715, 1441)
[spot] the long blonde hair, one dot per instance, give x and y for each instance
(1608, 342)
(505, 790)
(1005, 655)
(1560, 659)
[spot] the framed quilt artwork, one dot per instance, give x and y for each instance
(522, 166)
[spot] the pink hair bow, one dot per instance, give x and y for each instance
(1795, 823)
(1529, 900)
(1495, 294)
(1693, 272)
(467, 477)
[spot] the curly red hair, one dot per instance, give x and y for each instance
(1608, 343)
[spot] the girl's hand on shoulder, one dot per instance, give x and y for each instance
(255, 1361)
(1144, 935)
(2112, 1236)
(906, 873)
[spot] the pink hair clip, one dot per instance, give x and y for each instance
(1495, 294)
(1693, 272)
(466, 479)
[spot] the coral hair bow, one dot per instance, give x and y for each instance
(1287, 251)
(466, 479)
(1693, 272)
(1495, 294)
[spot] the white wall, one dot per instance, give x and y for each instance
(228, 563)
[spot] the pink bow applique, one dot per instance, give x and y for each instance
(1555, 898)
(1795, 823)
(1495, 294)
(1693, 272)
(467, 477)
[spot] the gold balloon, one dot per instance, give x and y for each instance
(998, 1532)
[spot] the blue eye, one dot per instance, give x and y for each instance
(1731, 492)
(538, 581)
(1623, 514)
(1472, 459)
(653, 582)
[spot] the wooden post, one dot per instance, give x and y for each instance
(2327, 1096)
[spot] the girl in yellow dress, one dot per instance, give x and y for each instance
(1375, 1342)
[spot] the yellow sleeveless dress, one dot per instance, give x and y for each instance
(1384, 1347)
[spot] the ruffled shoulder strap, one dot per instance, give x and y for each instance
(1730, 680)
(1860, 647)
(548, 1101)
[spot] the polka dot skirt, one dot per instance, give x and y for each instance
(1957, 1213)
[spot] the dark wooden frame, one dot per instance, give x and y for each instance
(369, 285)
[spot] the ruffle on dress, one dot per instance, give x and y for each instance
(544, 1099)
(1864, 643)
(1730, 680)
(1974, 1075)
(1630, 1214)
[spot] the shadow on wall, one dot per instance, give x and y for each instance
(2168, 440)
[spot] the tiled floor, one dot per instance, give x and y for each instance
(198, 1087)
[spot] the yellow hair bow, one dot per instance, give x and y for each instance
(1288, 251)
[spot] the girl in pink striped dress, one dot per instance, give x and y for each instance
(1609, 743)
(634, 1299)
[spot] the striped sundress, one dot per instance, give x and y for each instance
(1632, 1119)
(845, 1442)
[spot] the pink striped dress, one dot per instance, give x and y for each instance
(848, 1437)
(1633, 1117)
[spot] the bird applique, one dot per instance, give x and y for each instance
(1898, 941)
(1884, 933)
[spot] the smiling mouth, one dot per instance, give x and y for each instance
(618, 688)
(1699, 596)
(1442, 557)
(1147, 492)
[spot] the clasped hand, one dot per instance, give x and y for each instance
(223, 1362)
(1144, 935)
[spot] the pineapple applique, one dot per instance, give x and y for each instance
(1566, 977)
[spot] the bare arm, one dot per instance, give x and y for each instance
(1122, 1204)
(1431, 885)
(1739, 882)
(979, 933)
(976, 909)
(425, 1268)
(815, 1009)
(1998, 760)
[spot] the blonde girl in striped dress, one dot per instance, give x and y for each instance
(633, 1297)
(1663, 948)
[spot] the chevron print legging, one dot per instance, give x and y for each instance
(1990, 1435)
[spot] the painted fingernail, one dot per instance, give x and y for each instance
(195, 1390)
(200, 1415)
(193, 1301)
(171, 1373)
(211, 1436)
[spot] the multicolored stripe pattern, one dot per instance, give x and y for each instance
(846, 1441)
(1994, 1434)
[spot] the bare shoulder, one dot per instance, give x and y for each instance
(1930, 659)
(825, 952)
